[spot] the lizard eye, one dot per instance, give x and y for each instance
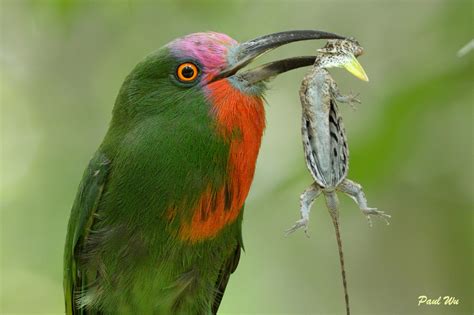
(187, 72)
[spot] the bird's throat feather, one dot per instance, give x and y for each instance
(240, 121)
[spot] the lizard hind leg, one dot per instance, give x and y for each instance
(354, 190)
(306, 201)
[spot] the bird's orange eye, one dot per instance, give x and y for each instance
(187, 72)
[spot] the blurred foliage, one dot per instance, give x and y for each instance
(62, 63)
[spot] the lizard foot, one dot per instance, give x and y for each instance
(373, 211)
(302, 223)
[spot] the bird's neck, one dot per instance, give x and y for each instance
(240, 121)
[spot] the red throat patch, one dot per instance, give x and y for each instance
(241, 121)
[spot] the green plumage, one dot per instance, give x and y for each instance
(156, 224)
(161, 151)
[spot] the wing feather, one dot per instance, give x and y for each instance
(227, 269)
(80, 221)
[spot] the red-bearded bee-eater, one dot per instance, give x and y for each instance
(156, 224)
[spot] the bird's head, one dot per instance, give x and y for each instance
(188, 67)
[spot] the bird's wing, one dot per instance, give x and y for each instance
(227, 269)
(80, 221)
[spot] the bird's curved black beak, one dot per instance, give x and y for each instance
(247, 51)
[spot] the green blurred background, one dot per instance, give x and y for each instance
(62, 63)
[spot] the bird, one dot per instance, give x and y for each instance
(156, 224)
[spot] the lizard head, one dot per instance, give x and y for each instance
(342, 53)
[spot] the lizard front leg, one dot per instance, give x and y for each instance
(350, 99)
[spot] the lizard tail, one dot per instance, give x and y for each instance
(341, 260)
(333, 206)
